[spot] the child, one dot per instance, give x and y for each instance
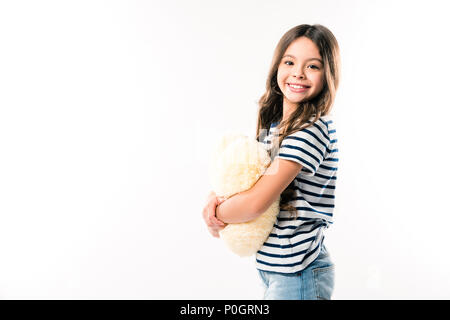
(293, 263)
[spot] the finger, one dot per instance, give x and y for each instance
(209, 221)
(214, 217)
(215, 220)
(218, 222)
(221, 199)
(209, 211)
(211, 216)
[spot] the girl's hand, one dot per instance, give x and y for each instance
(209, 214)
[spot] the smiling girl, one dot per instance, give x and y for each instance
(301, 86)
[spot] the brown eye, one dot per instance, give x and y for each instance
(286, 62)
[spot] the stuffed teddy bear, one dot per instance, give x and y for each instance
(236, 163)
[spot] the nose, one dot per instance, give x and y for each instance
(298, 73)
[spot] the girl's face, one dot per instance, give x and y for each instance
(301, 65)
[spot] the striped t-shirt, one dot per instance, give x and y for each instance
(295, 242)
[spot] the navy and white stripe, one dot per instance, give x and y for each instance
(295, 241)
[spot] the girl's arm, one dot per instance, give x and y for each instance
(250, 204)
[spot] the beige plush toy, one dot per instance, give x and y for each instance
(236, 164)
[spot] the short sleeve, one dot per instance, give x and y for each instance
(307, 147)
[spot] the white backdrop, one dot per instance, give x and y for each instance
(108, 110)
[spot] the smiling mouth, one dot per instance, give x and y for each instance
(297, 88)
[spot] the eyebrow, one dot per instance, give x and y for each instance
(288, 55)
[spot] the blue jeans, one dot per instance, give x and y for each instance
(316, 282)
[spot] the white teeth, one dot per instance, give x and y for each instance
(296, 87)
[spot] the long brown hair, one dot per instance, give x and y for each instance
(271, 103)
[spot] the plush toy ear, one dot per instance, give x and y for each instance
(227, 139)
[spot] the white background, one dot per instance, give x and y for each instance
(108, 111)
